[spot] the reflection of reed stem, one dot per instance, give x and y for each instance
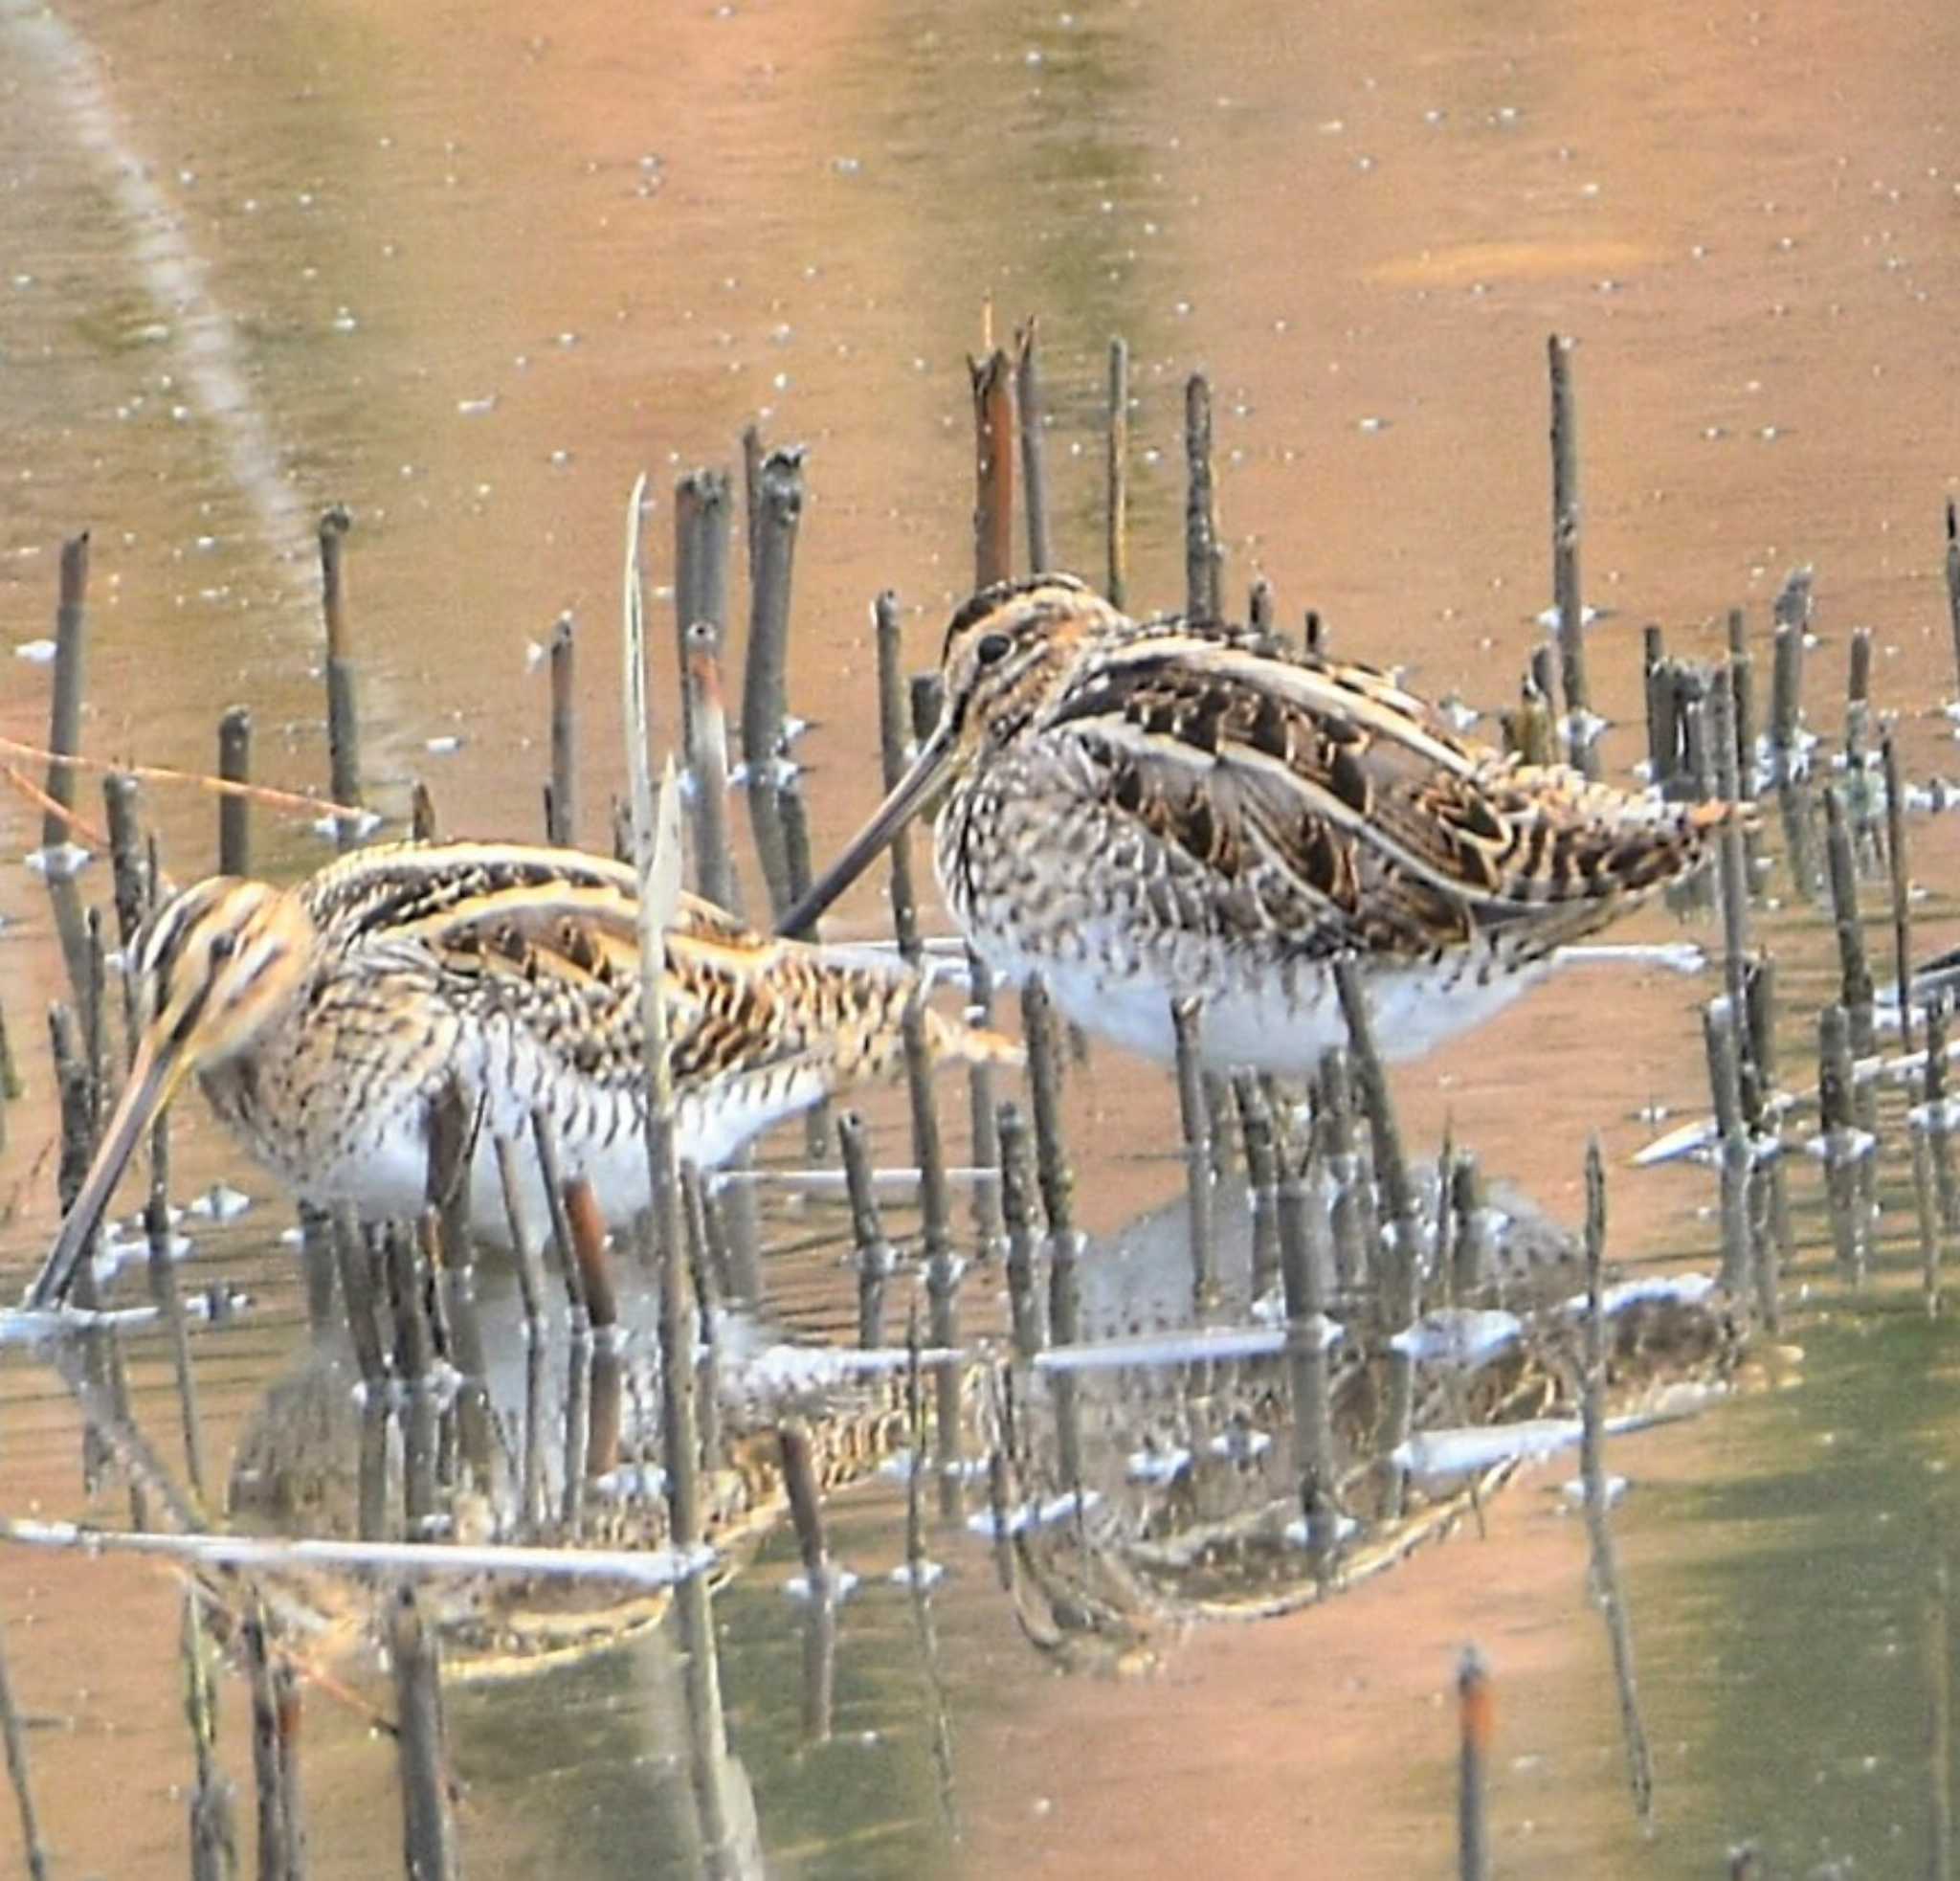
(1017, 1211)
(1606, 1579)
(16, 1741)
(1262, 1177)
(1476, 1722)
(1194, 1118)
(875, 1256)
(275, 1757)
(1033, 449)
(428, 1831)
(1116, 516)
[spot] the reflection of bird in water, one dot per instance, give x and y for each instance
(326, 1019)
(1142, 812)
(313, 1459)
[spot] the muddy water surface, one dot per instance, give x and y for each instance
(466, 270)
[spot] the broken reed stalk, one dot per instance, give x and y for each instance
(876, 1258)
(1262, 609)
(452, 1142)
(561, 823)
(915, 1438)
(1953, 580)
(764, 698)
(1195, 1119)
(1056, 1183)
(1115, 513)
(524, 1239)
(1606, 1581)
(1527, 727)
(1340, 1156)
(942, 1265)
(1742, 688)
(1938, 1137)
(16, 1741)
(1698, 750)
(1566, 534)
(1203, 599)
(984, 1139)
(752, 453)
(1262, 1177)
(706, 1263)
(414, 1356)
(657, 864)
(1857, 994)
(1023, 1251)
(806, 1504)
(544, 1147)
(1719, 707)
(1939, 1719)
(1857, 708)
(588, 1248)
(429, 1843)
(1841, 1144)
(214, 1840)
(357, 1299)
(1902, 886)
(1792, 613)
(71, 660)
(1033, 448)
(1470, 1236)
(1303, 1281)
(1392, 1172)
(701, 501)
(275, 1757)
(12, 1089)
(1926, 1218)
(1774, 1240)
(343, 714)
(579, 1359)
(707, 764)
(1476, 1727)
(170, 1304)
(235, 810)
(1400, 1268)
(991, 381)
(1721, 1034)
(892, 743)
(120, 797)
(1856, 976)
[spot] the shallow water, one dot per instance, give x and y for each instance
(467, 270)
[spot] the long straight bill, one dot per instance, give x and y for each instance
(153, 1080)
(907, 797)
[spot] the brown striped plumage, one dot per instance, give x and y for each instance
(1146, 810)
(325, 1019)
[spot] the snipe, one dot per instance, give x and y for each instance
(1148, 811)
(325, 1019)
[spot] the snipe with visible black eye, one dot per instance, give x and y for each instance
(326, 1020)
(1149, 810)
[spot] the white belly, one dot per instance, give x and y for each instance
(1272, 1022)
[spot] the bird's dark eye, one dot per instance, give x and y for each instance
(223, 947)
(992, 649)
